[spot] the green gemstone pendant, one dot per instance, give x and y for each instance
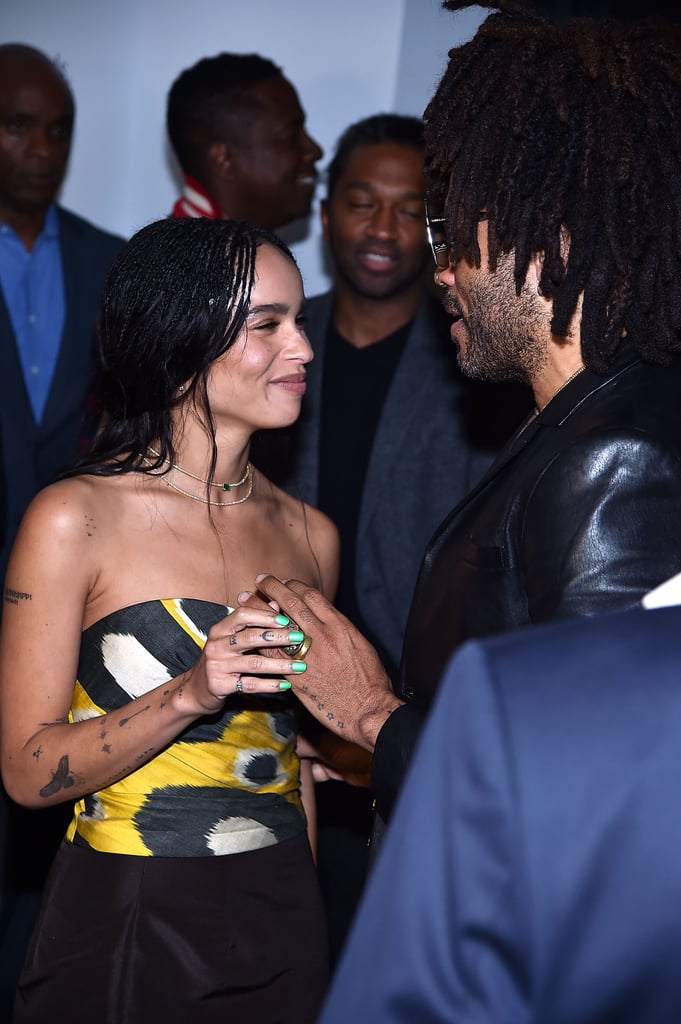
(226, 487)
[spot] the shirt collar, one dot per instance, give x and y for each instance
(195, 202)
(50, 229)
(51, 225)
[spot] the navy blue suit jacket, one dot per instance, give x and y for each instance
(532, 872)
(34, 452)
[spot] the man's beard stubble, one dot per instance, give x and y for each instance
(502, 331)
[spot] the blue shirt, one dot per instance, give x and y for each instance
(33, 288)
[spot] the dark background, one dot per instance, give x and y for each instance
(608, 8)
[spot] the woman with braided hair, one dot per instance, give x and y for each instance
(185, 889)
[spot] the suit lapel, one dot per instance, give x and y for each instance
(71, 353)
(15, 394)
(309, 425)
(409, 398)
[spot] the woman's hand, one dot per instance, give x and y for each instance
(345, 688)
(242, 654)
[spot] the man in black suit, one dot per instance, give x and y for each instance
(52, 267)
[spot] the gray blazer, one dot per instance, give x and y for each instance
(424, 460)
(33, 452)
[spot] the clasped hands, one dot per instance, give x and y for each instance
(341, 680)
(344, 686)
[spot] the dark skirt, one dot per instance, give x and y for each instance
(131, 940)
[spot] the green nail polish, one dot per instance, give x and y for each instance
(282, 620)
(284, 685)
(296, 637)
(298, 666)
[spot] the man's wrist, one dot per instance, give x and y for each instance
(371, 722)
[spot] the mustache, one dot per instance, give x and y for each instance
(452, 306)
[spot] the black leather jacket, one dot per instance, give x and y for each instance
(580, 514)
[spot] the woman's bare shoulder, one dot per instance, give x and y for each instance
(64, 506)
(71, 513)
(301, 515)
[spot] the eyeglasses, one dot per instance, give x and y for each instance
(437, 240)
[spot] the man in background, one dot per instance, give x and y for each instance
(238, 131)
(391, 434)
(52, 267)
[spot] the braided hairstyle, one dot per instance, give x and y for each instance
(175, 300)
(569, 137)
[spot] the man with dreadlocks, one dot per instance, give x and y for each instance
(555, 152)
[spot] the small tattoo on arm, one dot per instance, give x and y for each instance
(37, 753)
(106, 748)
(145, 754)
(124, 721)
(14, 596)
(61, 778)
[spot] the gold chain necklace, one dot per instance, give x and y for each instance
(223, 487)
(580, 369)
(206, 501)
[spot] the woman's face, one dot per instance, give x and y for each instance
(260, 381)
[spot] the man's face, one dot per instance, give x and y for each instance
(36, 123)
(500, 336)
(373, 221)
(274, 167)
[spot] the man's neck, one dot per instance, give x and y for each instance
(363, 320)
(26, 225)
(564, 362)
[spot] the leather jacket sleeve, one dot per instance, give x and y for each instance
(601, 526)
(394, 748)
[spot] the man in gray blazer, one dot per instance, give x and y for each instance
(391, 434)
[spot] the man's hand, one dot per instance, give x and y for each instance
(345, 686)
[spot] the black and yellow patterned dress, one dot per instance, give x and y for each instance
(195, 865)
(228, 784)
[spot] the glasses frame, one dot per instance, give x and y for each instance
(438, 249)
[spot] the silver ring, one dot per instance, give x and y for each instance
(238, 686)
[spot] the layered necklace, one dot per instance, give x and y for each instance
(247, 478)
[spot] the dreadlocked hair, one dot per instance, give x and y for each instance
(569, 138)
(175, 300)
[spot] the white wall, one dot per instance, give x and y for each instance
(347, 58)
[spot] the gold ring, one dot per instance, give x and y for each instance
(298, 651)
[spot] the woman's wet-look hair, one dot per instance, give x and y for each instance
(175, 300)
